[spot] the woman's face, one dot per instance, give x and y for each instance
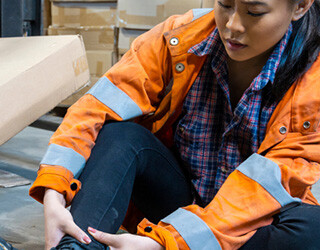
(251, 28)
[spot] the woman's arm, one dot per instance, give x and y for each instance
(121, 94)
(59, 221)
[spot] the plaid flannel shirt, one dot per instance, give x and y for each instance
(212, 138)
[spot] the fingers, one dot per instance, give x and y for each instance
(73, 230)
(59, 221)
(105, 238)
(69, 227)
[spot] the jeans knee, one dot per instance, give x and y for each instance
(305, 221)
(123, 132)
(311, 214)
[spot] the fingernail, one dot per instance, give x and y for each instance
(92, 230)
(86, 239)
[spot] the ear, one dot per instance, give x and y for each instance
(301, 8)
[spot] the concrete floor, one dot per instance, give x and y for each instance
(21, 218)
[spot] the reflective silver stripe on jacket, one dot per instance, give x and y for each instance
(267, 173)
(65, 157)
(114, 98)
(193, 230)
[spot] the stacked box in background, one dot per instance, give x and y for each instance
(126, 37)
(145, 14)
(79, 14)
(95, 22)
(207, 3)
(108, 27)
(135, 17)
(46, 16)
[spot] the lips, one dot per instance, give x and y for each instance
(235, 45)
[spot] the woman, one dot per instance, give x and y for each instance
(234, 94)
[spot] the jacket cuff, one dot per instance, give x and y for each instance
(57, 178)
(157, 233)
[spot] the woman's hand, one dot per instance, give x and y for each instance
(125, 241)
(59, 221)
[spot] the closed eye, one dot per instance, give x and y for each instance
(224, 6)
(255, 14)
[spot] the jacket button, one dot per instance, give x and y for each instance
(148, 229)
(73, 186)
(180, 67)
(283, 130)
(174, 41)
(306, 125)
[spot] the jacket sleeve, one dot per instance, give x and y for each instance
(131, 88)
(258, 189)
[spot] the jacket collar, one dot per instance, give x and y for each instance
(191, 33)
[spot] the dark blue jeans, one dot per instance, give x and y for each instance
(129, 163)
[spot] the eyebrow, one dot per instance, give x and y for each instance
(254, 3)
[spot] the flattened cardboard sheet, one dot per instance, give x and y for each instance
(8, 179)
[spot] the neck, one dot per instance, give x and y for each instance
(242, 73)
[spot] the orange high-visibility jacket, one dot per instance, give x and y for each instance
(150, 84)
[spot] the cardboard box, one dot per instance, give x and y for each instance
(36, 74)
(46, 16)
(145, 14)
(100, 61)
(95, 38)
(84, 1)
(77, 95)
(207, 3)
(72, 14)
(126, 37)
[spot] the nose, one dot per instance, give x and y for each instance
(234, 23)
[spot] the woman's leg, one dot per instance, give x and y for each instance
(127, 158)
(296, 228)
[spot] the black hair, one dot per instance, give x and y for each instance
(301, 51)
